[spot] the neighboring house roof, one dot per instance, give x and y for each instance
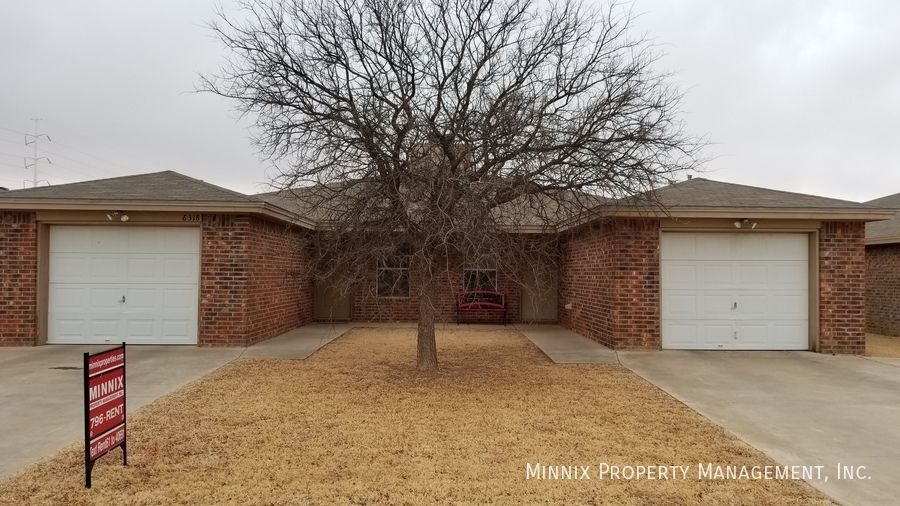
(885, 232)
(144, 192)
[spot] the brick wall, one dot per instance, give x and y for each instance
(842, 288)
(637, 290)
(277, 299)
(224, 270)
(610, 275)
(883, 289)
(18, 279)
(586, 282)
(249, 290)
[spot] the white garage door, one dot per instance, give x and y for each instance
(110, 284)
(744, 291)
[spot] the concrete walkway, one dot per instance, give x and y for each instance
(299, 343)
(563, 346)
(799, 408)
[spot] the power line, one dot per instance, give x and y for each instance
(12, 142)
(13, 166)
(14, 131)
(95, 157)
(80, 162)
(71, 169)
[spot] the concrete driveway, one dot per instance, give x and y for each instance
(42, 392)
(799, 408)
(42, 387)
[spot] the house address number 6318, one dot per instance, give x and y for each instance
(191, 217)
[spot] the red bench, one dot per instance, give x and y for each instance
(480, 301)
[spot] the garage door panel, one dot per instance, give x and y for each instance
(68, 298)
(680, 304)
(788, 337)
(681, 335)
(751, 305)
(69, 328)
(69, 267)
(141, 269)
(789, 276)
(751, 275)
(141, 300)
(181, 299)
(678, 275)
(104, 298)
(717, 275)
(180, 269)
(715, 305)
(92, 268)
(691, 305)
(175, 328)
(783, 246)
(751, 336)
(793, 306)
(765, 274)
(106, 328)
(141, 328)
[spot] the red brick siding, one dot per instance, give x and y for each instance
(610, 275)
(883, 289)
(278, 301)
(249, 290)
(586, 282)
(224, 271)
(18, 279)
(842, 288)
(636, 290)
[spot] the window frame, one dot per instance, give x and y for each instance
(479, 269)
(398, 263)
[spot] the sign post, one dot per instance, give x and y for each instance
(104, 407)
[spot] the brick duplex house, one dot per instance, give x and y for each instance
(163, 258)
(883, 271)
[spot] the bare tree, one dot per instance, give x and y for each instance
(456, 129)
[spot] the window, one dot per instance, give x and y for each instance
(481, 276)
(392, 278)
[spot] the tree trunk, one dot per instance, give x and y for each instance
(426, 349)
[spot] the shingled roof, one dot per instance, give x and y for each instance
(166, 186)
(704, 193)
(697, 197)
(157, 191)
(888, 231)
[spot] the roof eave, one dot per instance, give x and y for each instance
(862, 215)
(261, 208)
(847, 214)
(888, 239)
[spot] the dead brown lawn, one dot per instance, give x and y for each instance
(356, 424)
(878, 345)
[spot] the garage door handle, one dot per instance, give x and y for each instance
(735, 304)
(123, 299)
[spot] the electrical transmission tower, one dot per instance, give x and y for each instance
(35, 159)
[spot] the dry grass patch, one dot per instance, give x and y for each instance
(357, 424)
(878, 345)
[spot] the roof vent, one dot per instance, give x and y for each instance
(4, 189)
(690, 176)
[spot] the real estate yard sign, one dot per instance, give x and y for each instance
(104, 407)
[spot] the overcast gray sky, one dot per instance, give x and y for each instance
(797, 95)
